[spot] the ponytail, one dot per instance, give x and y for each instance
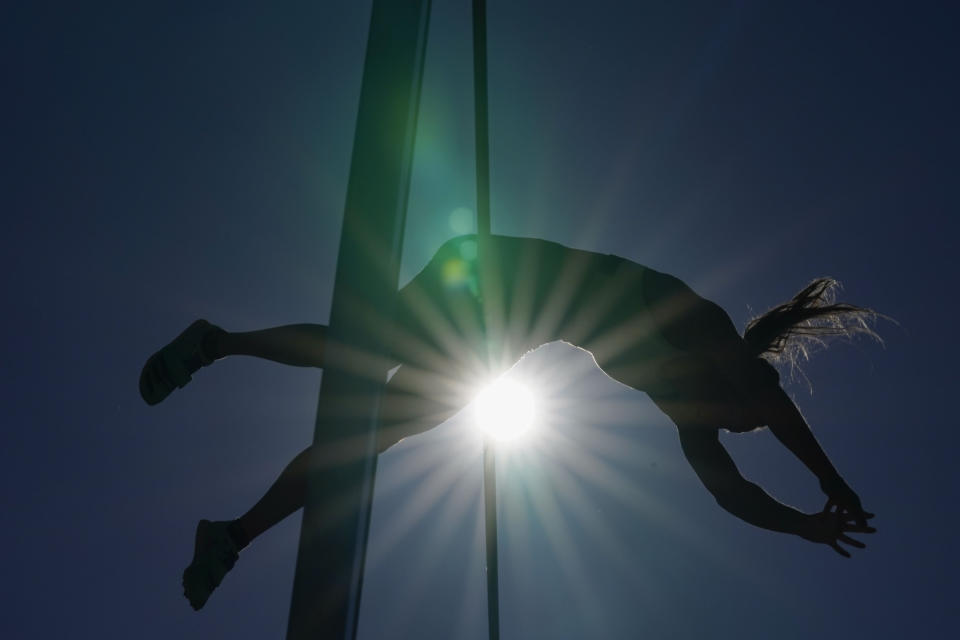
(794, 329)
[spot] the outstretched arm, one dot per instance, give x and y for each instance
(747, 501)
(716, 469)
(788, 425)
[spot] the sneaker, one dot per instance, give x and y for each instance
(171, 367)
(214, 554)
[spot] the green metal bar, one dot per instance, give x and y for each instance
(481, 116)
(330, 560)
(482, 131)
(490, 535)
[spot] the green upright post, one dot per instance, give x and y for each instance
(490, 536)
(491, 315)
(333, 536)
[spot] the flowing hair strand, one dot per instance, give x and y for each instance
(793, 330)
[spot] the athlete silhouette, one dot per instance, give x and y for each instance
(645, 329)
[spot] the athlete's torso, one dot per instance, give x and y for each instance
(631, 318)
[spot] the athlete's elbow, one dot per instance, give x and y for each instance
(737, 502)
(726, 499)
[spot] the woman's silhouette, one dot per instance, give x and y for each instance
(646, 329)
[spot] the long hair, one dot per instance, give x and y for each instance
(791, 331)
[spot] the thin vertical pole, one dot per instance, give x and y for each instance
(330, 559)
(482, 119)
(490, 535)
(482, 130)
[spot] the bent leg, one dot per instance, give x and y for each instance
(416, 401)
(173, 366)
(298, 345)
(287, 494)
(412, 402)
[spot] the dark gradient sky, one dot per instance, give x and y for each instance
(167, 161)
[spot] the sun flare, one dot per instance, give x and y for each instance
(505, 410)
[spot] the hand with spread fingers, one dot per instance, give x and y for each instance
(832, 526)
(843, 498)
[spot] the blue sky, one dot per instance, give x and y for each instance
(168, 161)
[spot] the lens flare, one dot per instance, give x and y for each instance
(505, 410)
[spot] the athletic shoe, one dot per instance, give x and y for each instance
(171, 367)
(214, 554)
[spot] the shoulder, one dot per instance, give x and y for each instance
(548, 251)
(454, 255)
(459, 248)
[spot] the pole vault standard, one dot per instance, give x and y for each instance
(336, 516)
(482, 128)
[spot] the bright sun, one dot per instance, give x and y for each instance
(505, 410)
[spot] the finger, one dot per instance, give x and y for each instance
(856, 529)
(836, 547)
(852, 515)
(850, 541)
(859, 518)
